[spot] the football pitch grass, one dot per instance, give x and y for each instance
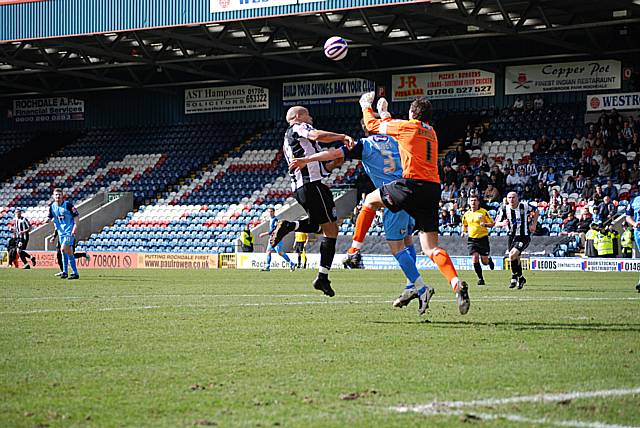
(246, 348)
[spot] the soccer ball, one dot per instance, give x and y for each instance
(335, 48)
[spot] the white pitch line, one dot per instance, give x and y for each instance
(538, 398)
(536, 421)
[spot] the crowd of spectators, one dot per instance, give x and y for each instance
(601, 170)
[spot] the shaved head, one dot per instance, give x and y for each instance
(295, 113)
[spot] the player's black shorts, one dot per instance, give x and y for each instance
(520, 243)
(417, 197)
(479, 245)
(298, 247)
(317, 201)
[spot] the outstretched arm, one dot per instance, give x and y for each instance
(323, 156)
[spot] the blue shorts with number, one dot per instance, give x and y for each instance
(397, 225)
(277, 249)
(66, 240)
(636, 235)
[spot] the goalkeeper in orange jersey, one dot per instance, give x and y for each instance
(418, 191)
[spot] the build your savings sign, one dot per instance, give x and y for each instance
(443, 84)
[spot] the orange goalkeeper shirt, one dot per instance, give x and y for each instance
(417, 141)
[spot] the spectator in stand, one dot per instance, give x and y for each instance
(575, 153)
(611, 191)
(453, 218)
(588, 190)
(606, 209)
(466, 184)
(579, 140)
(587, 152)
(450, 175)
(584, 224)
(598, 196)
(518, 104)
(462, 202)
(570, 225)
(513, 180)
(580, 182)
(491, 194)
(605, 168)
(467, 140)
(570, 185)
(623, 174)
(462, 157)
(499, 175)
(498, 184)
(476, 141)
(531, 170)
(508, 164)
(634, 174)
(595, 167)
(555, 204)
(565, 209)
(441, 164)
(538, 103)
(552, 177)
(446, 194)
(484, 164)
(616, 159)
(541, 192)
(627, 133)
(444, 217)
(528, 193)
(480, 183)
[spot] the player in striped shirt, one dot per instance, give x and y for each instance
(21, 229)
(521, 219)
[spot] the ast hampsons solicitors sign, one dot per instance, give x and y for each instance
(225, 98)
(562, 77)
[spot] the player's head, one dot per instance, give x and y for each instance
(298, 114)
(57, 195)
(512, 198)
(18, 213)
(420, 109)
(364, 126)
(271, 211)
(474, 202)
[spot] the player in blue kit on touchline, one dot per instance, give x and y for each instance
(633, 220)
(279, 248)
(64, 215)
(381, 160)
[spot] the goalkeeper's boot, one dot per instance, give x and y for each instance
(406, 297)
(481, 282)
(323, 284)
(521, 282)
(462, 297)
(353, 261)
(492, 265)
(638, 287)
(282, 229)
(424, 298)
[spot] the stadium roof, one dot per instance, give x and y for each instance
(484, 34)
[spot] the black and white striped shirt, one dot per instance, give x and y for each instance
(518, 218)
(21, 228)
(298, 145)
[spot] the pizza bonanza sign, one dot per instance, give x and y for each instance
(443, 84)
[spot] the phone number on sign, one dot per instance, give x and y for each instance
(462, 90)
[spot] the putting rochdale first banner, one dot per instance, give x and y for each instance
(562, 77)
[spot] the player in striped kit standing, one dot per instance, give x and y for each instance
(521, 219)
(21, 229)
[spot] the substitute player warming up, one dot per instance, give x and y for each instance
(521, 220)
(475, 222)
